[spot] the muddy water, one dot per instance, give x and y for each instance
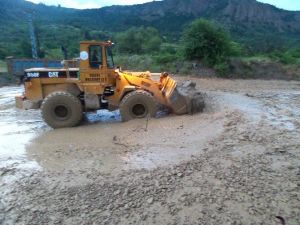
(17, 128)
(284, 111)
(104, 143)
(241, 162)
(101, 142)
(115, 146)
(281, 110)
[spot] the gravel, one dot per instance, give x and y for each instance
(247, 174)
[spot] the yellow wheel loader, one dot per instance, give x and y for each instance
(65, 94)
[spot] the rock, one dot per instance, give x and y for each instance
(117, 192)
(282, 151)
(150, 200)
(179, 174)
(242, 138)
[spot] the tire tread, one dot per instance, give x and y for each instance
(74, 101)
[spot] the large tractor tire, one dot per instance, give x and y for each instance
(61, 109)
(137, 105)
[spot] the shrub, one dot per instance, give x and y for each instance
(3, 53)
(25, 49)
(290, 56)
(202, 40)
(138, 40)
(165, 58)
(287, 58)
(222, 69)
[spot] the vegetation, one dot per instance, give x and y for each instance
(3, 67)
(163, 44)
(3, 53)
(204, 41)
(291, 56)
(139, 41)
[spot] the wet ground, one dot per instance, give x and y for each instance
(236, 163)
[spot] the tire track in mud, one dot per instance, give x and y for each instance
(247, 174)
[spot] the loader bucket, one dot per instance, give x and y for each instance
(185, 99)
(178, 103)
(175, 100)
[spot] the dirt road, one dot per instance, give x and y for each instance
(236, 163)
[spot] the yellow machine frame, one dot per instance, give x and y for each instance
(94, 81)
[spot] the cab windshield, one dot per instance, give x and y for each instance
(110, 59)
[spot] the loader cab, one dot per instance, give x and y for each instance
(96, 63)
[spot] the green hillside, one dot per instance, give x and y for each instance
(262, 28)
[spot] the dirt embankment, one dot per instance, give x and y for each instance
(236, 163)
(263, 70)
(239, 69)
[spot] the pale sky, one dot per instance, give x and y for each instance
(84, 4)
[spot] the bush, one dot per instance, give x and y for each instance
(236, 49)
(222, 69)
(25, 49)
(202, 40)
(165, 58)
(169, 48)
(134, 62)
(3, 53)
(139, 41)
(286, 57)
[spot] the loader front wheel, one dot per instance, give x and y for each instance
(61, 109)
(136, 105)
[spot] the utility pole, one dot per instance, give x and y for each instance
(32, 36)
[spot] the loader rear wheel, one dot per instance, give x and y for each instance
(136, 105)
(61, 109)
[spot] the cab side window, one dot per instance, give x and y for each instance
(95, 56)
(110, 60)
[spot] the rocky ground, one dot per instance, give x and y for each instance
(236, 163)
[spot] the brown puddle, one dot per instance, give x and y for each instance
(104, 143)
(113, 147)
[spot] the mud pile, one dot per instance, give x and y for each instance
(194, 99)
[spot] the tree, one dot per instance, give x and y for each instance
(130, 41)
(86, 35)
(152, 44)
(25, 49)
(203, 40)
(3, 53)
(139, 40)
